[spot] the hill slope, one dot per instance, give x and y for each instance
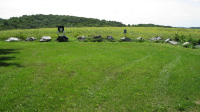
(50, 21)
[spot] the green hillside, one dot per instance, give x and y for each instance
(52, 21)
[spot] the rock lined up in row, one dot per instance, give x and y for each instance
(63, 38)
(81, 38)
(12, 39)
(31, 39)
(155, 38)
(140, 38)
(110, 37)
(186, 43)
(45, 39)
(97, 37)
(125, 39)
(173, 42)
(167, 40)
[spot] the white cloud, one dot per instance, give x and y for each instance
(195, 0)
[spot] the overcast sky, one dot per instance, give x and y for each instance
(175, 13)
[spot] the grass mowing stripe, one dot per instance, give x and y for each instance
(162, 86)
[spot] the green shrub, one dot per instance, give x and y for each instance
(120, 40)
(198, 42)
(193, 41)
(87, 40)
(141, 40)
(179, 38)
(133, 40)
(193, 47)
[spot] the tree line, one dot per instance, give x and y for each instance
(149, 25)
(52, 21)
(195, 27)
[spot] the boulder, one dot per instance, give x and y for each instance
(97, 37)
(158, 38)
(155, 38)
(125, 39)
(173, 42)
(12, 39)
(197, 46)
(81, 38)
(62, 38)
(110, 37)
(30, 39)
(140, 38)
(167, 40)
(45, 39)
(186, 43)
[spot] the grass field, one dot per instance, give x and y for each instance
(78, 76)
(116, 32)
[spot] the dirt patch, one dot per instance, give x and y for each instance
(197, 102)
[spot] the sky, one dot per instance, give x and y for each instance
(176, 13)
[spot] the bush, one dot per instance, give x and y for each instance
(191, 41)
(179, 38)
(141, 40)
(120, 40)
(198, 42)
(87, 40)
(193, 47)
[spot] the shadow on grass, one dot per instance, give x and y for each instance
(3, 59)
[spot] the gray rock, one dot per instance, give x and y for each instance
(140, 38)
(110, 37)
(186, 43)
(155, 38)
(62, 38)
(158, 38)
(197, 46)
(125, 39)
(97, 37)
(12, 39)
(167, 40)
(173, 42)
(31, 39)
(45, 39)
(81, 38)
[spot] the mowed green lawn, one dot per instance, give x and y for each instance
(78, 76)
